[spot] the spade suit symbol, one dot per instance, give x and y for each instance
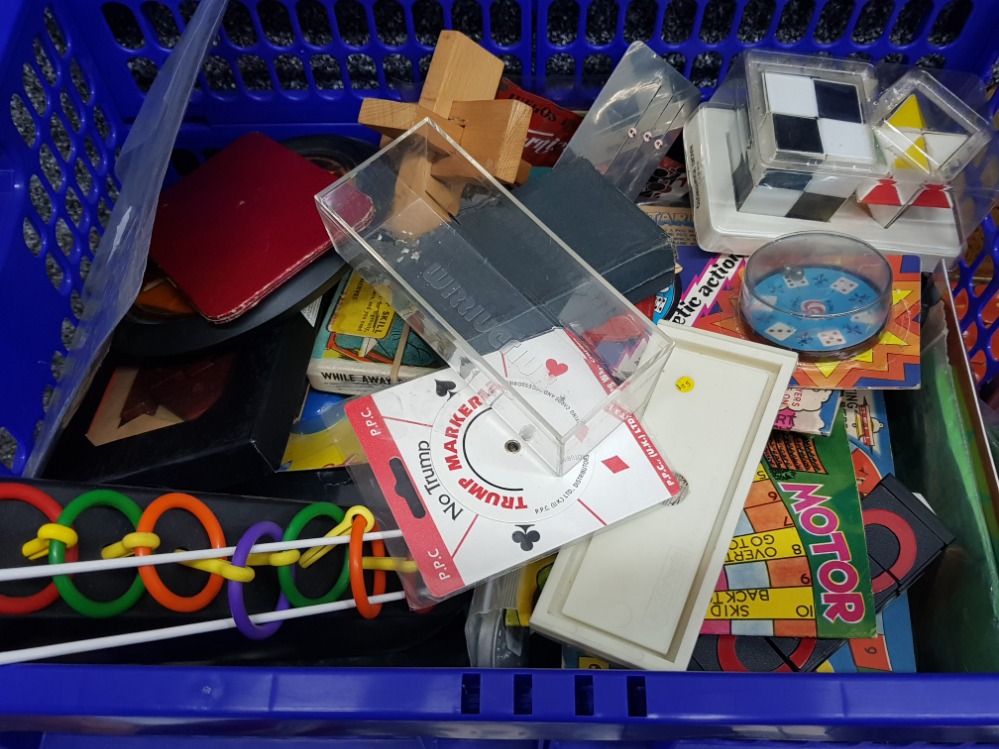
(444, 387)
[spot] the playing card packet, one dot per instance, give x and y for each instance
(363, 345)
(470, 500)
(551, 126)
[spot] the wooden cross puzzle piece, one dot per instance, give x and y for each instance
(459, 96)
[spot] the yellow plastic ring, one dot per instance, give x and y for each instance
(389, 564)
(316, 553)
(274, 559)
(127, 546)
(222, 568)
(39, 547)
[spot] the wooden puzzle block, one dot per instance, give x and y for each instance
(393, 118)
(487, 135)
(460, 70)
(459, 96)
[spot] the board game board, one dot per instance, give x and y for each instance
(892, 649)
(870, 443)
(903, 538)
(801, 524)
(357, 350)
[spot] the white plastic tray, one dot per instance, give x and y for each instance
(930, 233)
(636, 593)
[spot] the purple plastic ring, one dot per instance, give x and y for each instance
(237, 606)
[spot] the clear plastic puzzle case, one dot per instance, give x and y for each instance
(556, 352)
(811, 116)
(901, 158)
(636, 118)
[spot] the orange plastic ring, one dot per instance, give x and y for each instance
(364, 606)
(157, 589)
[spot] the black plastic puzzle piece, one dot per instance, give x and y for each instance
(812, 206)
(797, 134)
(903, 535)
(917, 508)
(786, 180)
(742, 182)
(886, 588)
(737, 653)
(838, 101)
(805, 653)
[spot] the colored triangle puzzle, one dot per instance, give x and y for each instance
(906, 190)
(908, 115)
(933, 196)
(890, 339)
(884, 215)
(941, 146)
(883, 193)
(914, 154)
(826, 367)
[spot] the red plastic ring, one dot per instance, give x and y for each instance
(51, 509)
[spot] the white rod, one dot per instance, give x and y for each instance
(183, 630)
(100, 565)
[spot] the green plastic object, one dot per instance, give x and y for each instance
(956, 605)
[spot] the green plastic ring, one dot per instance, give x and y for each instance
(286, 575)
(57, 555)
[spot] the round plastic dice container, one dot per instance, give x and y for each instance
(823, 295)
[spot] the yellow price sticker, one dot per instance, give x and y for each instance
(685, 384)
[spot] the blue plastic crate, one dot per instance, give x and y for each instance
(74, 72)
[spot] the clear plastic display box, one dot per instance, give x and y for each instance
(636, 118)
(474, 273)
(901, 158)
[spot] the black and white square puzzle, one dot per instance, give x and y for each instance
(785, 194)
(818, 118)
(813, 146)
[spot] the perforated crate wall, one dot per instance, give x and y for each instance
(976, 295)
(304, 51)
(75, 73)
(280, 61)
(58, 145)
(583, 40)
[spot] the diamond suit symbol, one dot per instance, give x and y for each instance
(616, 464)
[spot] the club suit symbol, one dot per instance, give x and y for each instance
(526, 537)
